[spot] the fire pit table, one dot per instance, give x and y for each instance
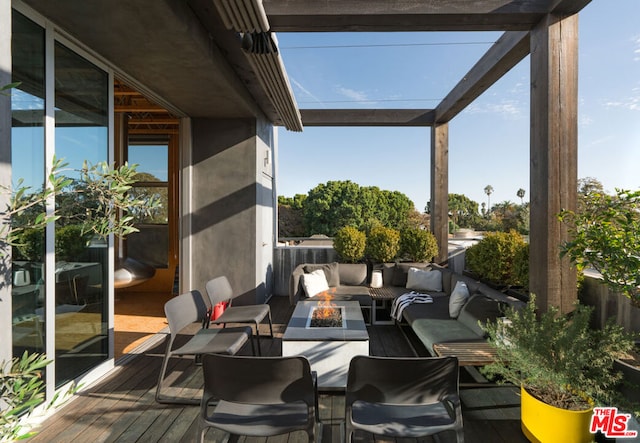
(328, 344)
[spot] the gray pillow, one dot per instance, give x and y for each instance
(401, 271)
(330, 271)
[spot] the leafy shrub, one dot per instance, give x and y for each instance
(350, 244)
(383, 244)
(559, 359)
(418, 245)
(71, 242)
(493, 258)
(521, 266)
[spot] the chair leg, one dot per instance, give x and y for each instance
(163, 370)
(270, 324)
(258, 339)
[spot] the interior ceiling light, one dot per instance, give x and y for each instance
(260, 46)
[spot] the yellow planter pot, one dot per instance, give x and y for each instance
(542, 423)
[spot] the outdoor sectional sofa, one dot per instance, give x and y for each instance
(431, 322)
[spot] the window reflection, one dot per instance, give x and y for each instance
(81, 119)
(27, 151)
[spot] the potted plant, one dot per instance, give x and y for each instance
(563, 367)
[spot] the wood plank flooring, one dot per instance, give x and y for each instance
(121, 407)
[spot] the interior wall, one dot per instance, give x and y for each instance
(224, 205)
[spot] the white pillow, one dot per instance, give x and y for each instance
(424, 280)
(459, 297)
(314, 283)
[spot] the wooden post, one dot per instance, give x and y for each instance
(439, 207)
(554, 98)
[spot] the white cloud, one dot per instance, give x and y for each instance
(630, 103)
(508, 109)
(352, 94)
(636, 42)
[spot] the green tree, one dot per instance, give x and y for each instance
(605, 236)
(330, 206)
(488, 190)
(463, 210)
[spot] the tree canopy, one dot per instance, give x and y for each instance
(332, 205)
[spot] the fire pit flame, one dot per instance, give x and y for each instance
(326, 314)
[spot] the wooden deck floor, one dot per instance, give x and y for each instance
(121, 407)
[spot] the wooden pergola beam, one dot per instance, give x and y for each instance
(367, 117)
(403, 16)
(507, 52)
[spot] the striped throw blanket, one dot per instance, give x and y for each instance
(405, 300)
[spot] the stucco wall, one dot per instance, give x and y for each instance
(5, 174)
(224, 216)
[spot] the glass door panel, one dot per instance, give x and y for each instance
(81, 288)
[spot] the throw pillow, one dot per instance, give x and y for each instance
(401, 270)
(314, 283)
(420, 280)
(330, 271)
(458, 298)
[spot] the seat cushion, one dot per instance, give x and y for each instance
(243, 314)
(352, 293)
(259, 420)
(432, 330)
(409, 421)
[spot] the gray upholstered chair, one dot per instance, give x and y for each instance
(182, 311)
(219, 290)
(259, 396)
(403, 397)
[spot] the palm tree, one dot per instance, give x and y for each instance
(520, 194)
(488, 190)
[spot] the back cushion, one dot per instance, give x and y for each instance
(421, 280)
(401, 270)
(480, 308)
(353, 274)
(330, 271)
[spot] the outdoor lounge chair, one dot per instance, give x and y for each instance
(403, 397)
(259, 396)
(219, 290)
(182, 311)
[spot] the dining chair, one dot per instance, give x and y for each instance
(182, 311)
(403, 397)
(259, 396)
(219, 290)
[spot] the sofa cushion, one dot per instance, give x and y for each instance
(480, 308)
(433, 330)
(424, 280)
(400, 271)
(439, 309)
(330, 270)
(314, 283)
(458, 298)
(351, 293)
(353, 274)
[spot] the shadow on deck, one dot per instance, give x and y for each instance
(121, 407)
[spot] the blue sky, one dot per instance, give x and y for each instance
(489, 141)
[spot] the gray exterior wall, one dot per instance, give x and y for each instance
(224, 220)
(5, 176)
